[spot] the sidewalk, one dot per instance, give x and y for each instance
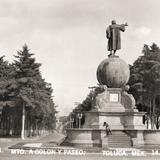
(17, 143)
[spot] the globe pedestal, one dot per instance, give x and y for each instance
(112, 104)
(113, 72)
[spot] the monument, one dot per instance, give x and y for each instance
(112, 104)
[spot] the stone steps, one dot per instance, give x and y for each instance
(118, 140)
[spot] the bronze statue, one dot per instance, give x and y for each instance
(113, 36)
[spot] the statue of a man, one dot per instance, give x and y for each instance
(113, 36)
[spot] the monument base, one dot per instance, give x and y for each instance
(127, 130)
(116, 120)
(89, 138)
(116, 107)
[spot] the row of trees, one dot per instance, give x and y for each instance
(144, 85)
(145, 82)
(25, 98)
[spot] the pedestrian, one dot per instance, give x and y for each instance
(107, 128)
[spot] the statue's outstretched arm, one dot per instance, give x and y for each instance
(122, 26)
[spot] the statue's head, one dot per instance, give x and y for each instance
(113, 22)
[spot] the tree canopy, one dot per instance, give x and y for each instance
(21, 84)
(145, 79)
(145, 71)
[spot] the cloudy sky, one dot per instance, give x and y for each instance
(68, 38)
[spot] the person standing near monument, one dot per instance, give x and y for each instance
(107, 128)
(114, 37)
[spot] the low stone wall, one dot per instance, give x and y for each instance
(84, 137)
(151, 137)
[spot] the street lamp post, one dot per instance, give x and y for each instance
(79, 118)
(70, 123)
(76, 118)
(72, 120)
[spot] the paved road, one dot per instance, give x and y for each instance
(7, 154)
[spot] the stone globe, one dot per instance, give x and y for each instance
(113, 72)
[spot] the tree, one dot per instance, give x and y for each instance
(7, 95)
(33, 95)
(144, 78)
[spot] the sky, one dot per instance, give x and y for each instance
(68, 38)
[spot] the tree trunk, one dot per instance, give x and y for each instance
(23, 122)
(153, 114)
